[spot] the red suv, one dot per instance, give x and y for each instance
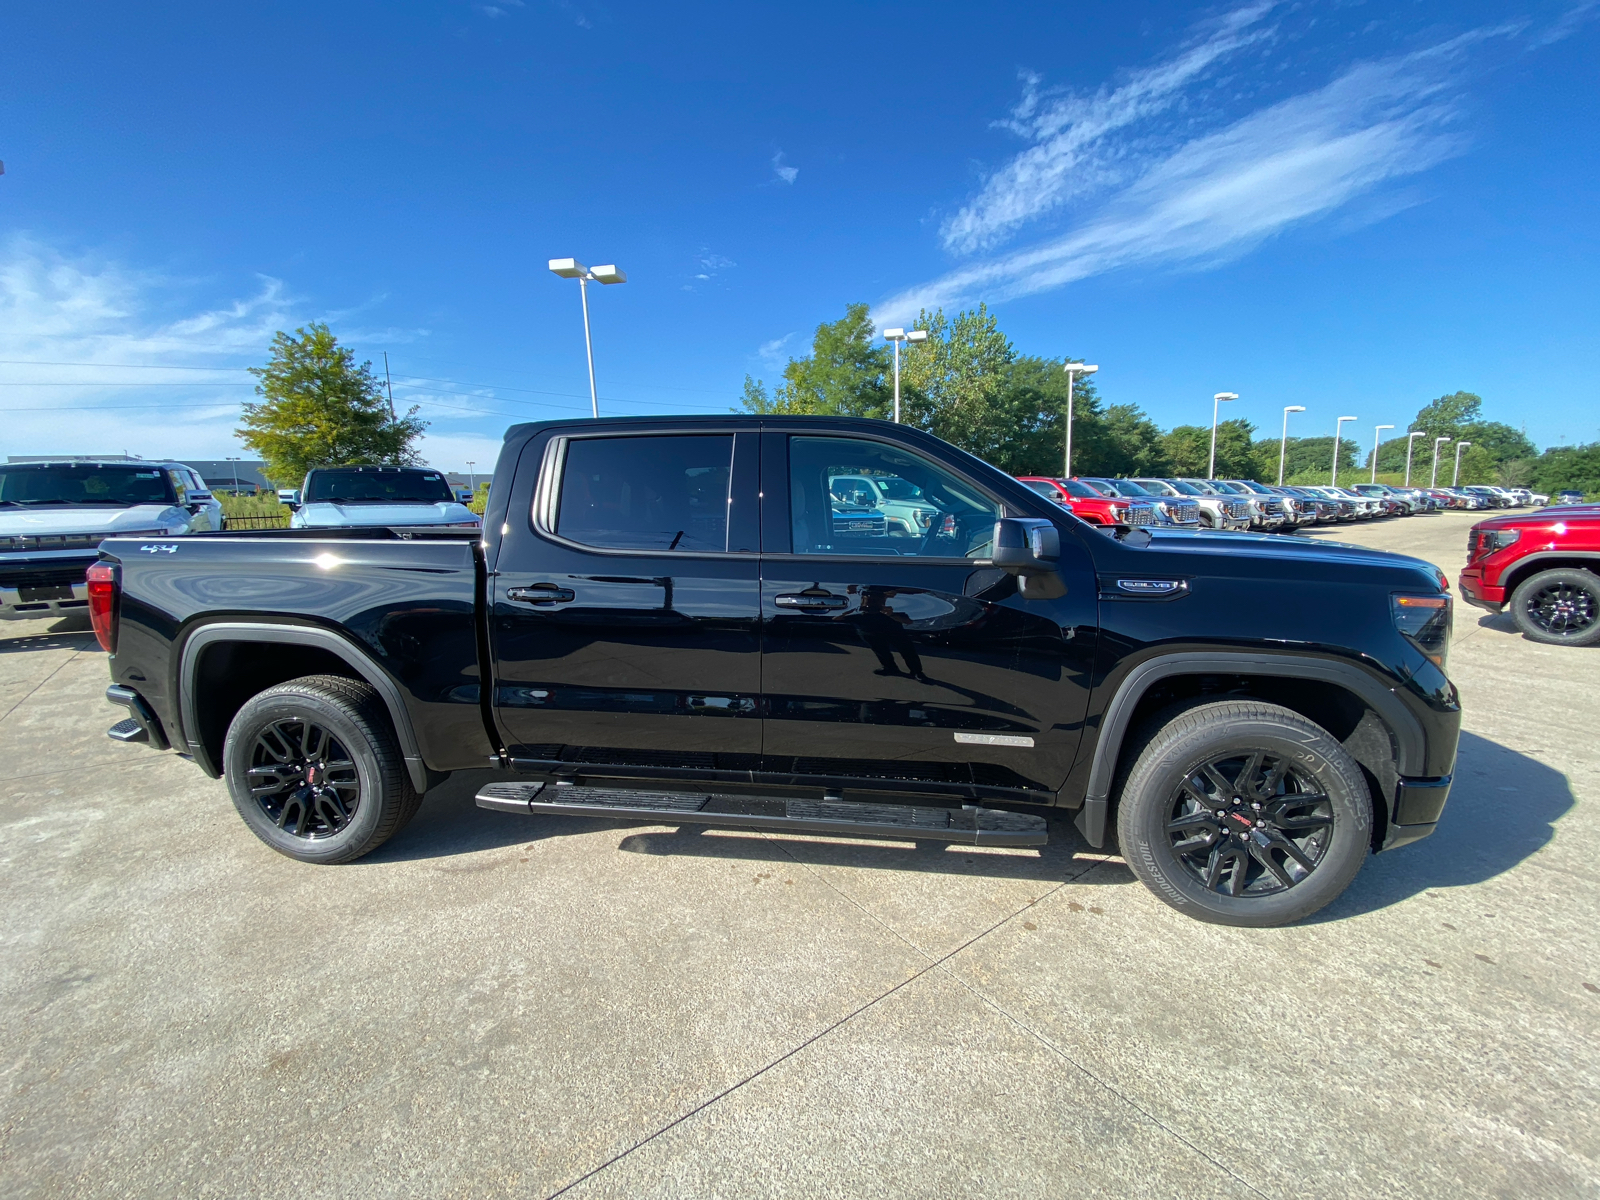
(1544, 567)
(1083, 501)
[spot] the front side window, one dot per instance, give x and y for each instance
(647, 492)
(919, 509)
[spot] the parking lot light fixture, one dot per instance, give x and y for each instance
(1073, 370)
(1283, 446)
(1433, 480)
(1377, 440)
(1460, 446)
(1217, 402)
(571, 268)
(472, 479)
(235, 463)
(1337, 426)
(895, 337)
(1411, 440)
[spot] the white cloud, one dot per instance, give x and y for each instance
(1072, 152)
(773, 354)
(94, 359)
(1222, 193)
(786, 173)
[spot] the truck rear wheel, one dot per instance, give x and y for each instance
(1559, 607)
(314, 769)
(1244, 813)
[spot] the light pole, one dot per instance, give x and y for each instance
(1217, 402)
(1411, 440)
(472, 480)
(1377, 438)
(1337, 426)
(235, 463)
(897, 336)
(1433, 480)
(1283, 446)
(1460, 446)
(571, 268)
(1073, 370)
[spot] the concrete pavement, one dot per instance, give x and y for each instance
(494, 1005)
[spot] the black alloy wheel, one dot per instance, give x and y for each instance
(1245, 825)
(1559, 607)
(315, 770)
(303, 779)
(1241, 812)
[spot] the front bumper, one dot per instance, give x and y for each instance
(1478, 593)
(1418, 804)
(44, 585)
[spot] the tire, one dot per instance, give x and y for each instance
(1159, 813)
(318, 729)
(1560, 607)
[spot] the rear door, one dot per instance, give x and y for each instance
(894, 655)
(625, 606)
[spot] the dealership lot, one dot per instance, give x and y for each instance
(497, 1005)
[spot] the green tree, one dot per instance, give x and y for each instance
(846, 374)
(1459, 417)
(954, 384)
(1189, 449)
(1307, 460)
(1562, 467)
(318, 409)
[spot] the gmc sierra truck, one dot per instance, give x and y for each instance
(667, 620)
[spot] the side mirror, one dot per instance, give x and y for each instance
(1029, 548)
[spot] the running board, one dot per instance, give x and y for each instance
(974, 826)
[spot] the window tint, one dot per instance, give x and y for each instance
(372, 486)
(86, 483)
(647, 493)
(909, 506)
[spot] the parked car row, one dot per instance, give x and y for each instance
(54, 515)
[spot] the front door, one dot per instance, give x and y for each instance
(625, 607)
(890, 652)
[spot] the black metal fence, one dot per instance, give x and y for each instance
(233, 523)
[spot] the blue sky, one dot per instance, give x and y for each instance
(1351, 206)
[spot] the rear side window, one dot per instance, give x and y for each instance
(647, 493)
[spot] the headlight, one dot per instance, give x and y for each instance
(1119, 513)
(1425, 622)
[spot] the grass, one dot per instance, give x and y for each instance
(253, 506)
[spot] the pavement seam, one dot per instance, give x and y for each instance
(1078, 1066)
(64, 664)
(1044, 1041)
(786, 1055)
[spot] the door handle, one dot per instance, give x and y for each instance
(542, 593)
(810, 600)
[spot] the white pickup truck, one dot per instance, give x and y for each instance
(54, 515)
(397, 497)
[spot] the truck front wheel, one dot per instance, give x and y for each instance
(1244, 813)
(1559, 607)
(314, 769)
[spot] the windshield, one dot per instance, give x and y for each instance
(1074, 487)
(1232, 489)
(1184, 489)
(896, 488)
(29, 484)
(372, 486)
(1127, 487)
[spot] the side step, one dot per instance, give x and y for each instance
(128, 731)
(973, 826)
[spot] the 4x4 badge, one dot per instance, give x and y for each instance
(163, 549)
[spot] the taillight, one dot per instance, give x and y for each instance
(103, 605)
(1425, 622)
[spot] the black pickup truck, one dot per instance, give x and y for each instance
(679, 620)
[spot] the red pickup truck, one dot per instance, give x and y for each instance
(1545, 567)
(1083, 501)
